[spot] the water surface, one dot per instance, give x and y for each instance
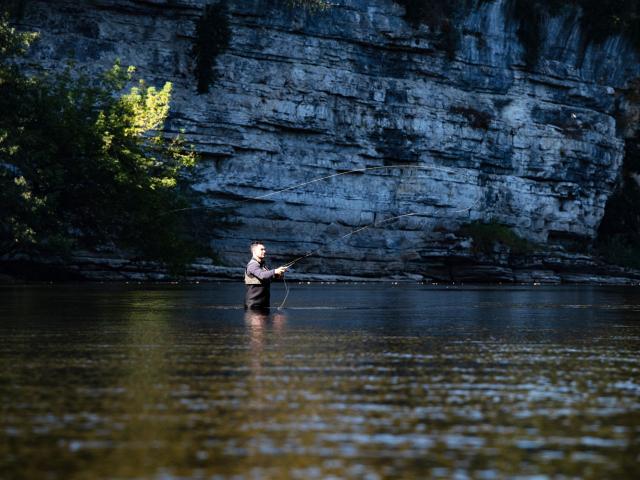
(348, 381)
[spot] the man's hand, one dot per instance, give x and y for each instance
(281, 270)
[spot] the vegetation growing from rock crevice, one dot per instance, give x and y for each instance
(434, 13)
(599, 20)
(440, 16)
(486, 235)
(212, 37)
(614, 17)
(83, 163)
(312, 5)
(478, 119)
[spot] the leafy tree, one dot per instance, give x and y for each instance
(83, 163)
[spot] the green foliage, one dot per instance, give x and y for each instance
(440, 16)
(83, 164)
(486, 235)
(212, 38)
(12, 43)
(477, 119)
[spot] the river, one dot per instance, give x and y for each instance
(365, 381)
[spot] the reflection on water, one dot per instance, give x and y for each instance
(351, 381)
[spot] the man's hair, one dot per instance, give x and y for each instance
(254, 244)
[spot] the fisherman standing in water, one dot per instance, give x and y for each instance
(257, 278)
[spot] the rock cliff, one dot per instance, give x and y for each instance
(450, 138)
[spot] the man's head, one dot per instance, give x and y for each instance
(258, 251)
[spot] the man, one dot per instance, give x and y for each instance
(257, 278)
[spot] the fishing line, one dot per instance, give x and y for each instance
(286, 288)
(313, 252)
(315, 180)
(309, 182)
(353, 232)
(359, 229)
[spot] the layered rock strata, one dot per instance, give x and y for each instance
(302, 95)
(551, 267)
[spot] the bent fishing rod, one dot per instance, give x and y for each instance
(313, 252)
(315, 180)
(360, 229)
(349, 234)
(353, 232)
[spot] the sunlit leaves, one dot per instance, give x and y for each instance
(145, 107)
(13, 42)
(84, 162)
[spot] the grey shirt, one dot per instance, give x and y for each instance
(257, 270)
(257, 278)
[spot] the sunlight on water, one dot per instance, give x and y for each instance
(351, 381)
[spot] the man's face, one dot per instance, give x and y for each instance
(259, 252)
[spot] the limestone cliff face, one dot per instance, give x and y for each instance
(302, 95)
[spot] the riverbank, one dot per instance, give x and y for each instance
(551, 267)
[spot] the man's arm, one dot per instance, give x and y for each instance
(254, 269)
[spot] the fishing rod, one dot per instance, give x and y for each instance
(353, 232)
(313, 252)
(359, 229)
(315, 180)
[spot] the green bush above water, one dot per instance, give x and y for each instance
(83, 163)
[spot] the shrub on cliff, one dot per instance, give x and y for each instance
(212, 38)
(478, 119)
(486, 235)
(440, 17)
(83, 162)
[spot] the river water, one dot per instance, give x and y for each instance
(359, 381)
